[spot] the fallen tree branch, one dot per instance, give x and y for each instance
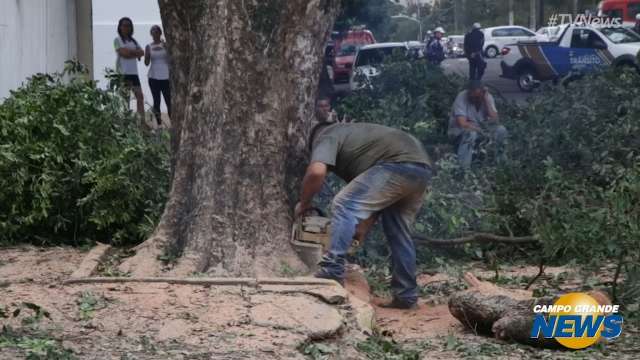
(253, 282)
(476, 237)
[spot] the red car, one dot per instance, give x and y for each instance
(345, 52)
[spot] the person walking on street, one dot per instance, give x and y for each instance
(636, 26)
(473, 45)
(474, 115)
(157, 58)
(128, 53)
(435, 48)
(387, 171)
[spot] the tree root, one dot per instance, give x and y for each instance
(146, 263)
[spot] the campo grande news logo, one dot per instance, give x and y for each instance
(576, 321)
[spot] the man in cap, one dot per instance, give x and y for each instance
(435, 48)
(473, 48)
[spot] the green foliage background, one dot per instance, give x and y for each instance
(75, 164)
(573, 176)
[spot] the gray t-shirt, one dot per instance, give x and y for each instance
(349, 149)
(463, 107)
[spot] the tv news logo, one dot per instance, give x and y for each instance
(577, 321)
(584, 20)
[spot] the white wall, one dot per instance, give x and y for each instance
(35, 36)
(106, 13)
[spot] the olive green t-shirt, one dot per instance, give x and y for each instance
(350, 149)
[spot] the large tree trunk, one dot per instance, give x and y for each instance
(244, 78)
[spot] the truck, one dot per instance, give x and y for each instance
(345, 51)
(622, 9)
(579, 49)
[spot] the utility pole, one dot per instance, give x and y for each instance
(463, 14)
(456, 21)
(532, 14)
(511, 20)
(575, 7)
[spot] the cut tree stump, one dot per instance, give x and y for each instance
(505, 314)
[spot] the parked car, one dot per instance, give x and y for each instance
(369, 58)
(345, 51)
(579, 50)
(495, 38)
(551, 32)
(455, 46)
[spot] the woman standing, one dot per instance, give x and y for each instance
(156, 55)
(128, 53)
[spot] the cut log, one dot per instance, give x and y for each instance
(502, 313)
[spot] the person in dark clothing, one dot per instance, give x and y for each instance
(473, 45)
(636, 27)
(435, 48)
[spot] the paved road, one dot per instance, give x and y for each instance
(507, 88)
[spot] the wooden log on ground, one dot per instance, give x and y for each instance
(505, 314)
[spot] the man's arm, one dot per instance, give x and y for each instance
(130, 53)
(311, 185)
(490, 106)
(464, 123)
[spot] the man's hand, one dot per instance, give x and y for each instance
(300, 209)
(311, 185)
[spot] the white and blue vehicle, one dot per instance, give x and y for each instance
(578, 50)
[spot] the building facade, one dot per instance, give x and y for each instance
(38, 36)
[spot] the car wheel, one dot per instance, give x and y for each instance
(527, 79)
(491, 52)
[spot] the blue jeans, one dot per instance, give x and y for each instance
(396, 192)
(466, 143)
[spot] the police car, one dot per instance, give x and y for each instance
(579, 50)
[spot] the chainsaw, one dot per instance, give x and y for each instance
(315, 228)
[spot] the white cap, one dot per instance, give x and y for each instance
(476, 25)
(439, 29)
(637, 16)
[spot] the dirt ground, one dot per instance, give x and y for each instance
(169, 321)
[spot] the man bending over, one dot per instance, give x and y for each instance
(387, 172)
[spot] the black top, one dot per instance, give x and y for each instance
(473, 42)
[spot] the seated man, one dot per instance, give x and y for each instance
(473, 115)
(387, 172)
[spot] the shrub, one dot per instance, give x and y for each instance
(75, 165)
(410, 95)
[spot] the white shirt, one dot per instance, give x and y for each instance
(159, 60)
(123, 65)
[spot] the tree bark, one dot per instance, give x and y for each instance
(244, 78)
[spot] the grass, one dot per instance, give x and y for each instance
(88, 303)
(35, 343)
(287, 271)
(378, 347)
